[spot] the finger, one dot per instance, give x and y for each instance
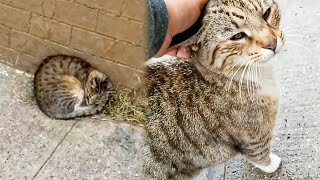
(172, 52)
(202, 3)
(184, 52)
(174, 47)
(164, 47)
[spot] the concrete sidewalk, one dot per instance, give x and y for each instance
(33, 146)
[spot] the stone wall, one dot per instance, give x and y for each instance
(109, 34)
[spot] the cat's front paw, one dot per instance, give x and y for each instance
(273, 166)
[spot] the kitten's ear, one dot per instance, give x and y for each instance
(93, 83)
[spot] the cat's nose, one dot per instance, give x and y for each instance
(270, 44)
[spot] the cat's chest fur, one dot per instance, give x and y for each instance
(268, 84)
(185, 83)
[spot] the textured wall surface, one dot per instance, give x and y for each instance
(107, 33)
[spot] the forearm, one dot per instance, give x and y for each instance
(167, 18)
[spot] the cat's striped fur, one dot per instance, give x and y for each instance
(67, 87)
(222, 102)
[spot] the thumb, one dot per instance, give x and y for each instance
(184, 52)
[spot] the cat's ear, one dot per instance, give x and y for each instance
(93, 83)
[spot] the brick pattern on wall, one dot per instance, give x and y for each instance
(109, 34)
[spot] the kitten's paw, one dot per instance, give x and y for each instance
(274, 165)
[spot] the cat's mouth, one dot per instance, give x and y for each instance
(268, 54)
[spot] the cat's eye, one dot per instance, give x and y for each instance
(267, 14)
(239, 36)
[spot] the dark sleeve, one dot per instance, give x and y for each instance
(157, 25)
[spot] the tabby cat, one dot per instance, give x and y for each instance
(67, 87)
(221, 102)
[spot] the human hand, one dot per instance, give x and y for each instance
(182, 15)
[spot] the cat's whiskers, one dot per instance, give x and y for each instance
(236, 74)
(292, 30)
(254, 72)
(256, 75)
(242, 76)
(259, 70)
(297, 44)
(300, 30)
(296, 27)
(253, 78)
(289, 25)
(233, 67)
(295, 35)
(250, 81)
(296, 31)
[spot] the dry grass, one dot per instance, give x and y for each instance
(127, 104)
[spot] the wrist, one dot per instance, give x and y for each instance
(182, 14)
(202, 3)
(173, 21)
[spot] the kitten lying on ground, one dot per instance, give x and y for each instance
(67, 87)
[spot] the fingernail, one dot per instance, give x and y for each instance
(187, 49)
